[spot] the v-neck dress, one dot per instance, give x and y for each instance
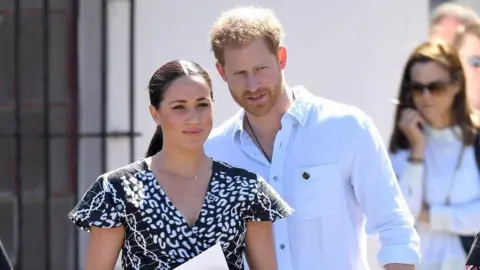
(156, 234)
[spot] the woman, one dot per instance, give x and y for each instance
(433, 156)
(176, 203)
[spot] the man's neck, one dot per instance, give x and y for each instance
(269, 124)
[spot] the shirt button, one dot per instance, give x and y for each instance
(275, 178)
(282, 246)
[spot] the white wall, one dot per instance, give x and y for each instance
(348, 50)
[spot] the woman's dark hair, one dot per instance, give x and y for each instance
(161, 81)
(445, 55)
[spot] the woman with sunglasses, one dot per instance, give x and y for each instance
(433, 155)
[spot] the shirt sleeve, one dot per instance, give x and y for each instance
(380, 198)
(266, 204)
(101, 206)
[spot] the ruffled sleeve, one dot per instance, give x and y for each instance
(266, 204)
(101, 206)
(473, 258)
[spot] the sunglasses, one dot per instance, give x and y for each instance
(474, 61)
(435, 88)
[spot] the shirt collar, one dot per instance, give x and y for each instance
(299, 110)
(450, 134)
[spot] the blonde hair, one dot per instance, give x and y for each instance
(471, 29)
(464, 14)
(240, 26)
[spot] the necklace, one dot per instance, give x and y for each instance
(255, 136)
(195, 177)
(256, 139)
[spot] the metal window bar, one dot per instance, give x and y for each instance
(75, 7)
(18, 139)
(73, 134)
(104, 85)
(46, 129)
(132, 78)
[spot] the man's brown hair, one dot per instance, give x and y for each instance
(471, 29)
(240, 26)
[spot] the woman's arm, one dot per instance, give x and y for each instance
(103, 248)
(260, 246)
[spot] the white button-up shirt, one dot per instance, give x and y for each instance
(330, 165)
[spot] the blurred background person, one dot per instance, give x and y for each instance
(448, 17)
(433, 156)
(467, 41)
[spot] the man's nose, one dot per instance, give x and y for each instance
(252, 83)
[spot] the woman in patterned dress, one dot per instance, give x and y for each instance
(167, 208)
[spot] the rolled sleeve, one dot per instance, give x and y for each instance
(380, 198)
(406, 254)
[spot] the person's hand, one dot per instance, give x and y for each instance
(409, 124)
(424, 215)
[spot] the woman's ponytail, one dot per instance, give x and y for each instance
(156, 143)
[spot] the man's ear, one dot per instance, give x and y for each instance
(282, 57)
(221, 71)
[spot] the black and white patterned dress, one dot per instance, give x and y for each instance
(156, 234)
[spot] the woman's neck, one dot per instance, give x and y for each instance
(442, 123)
(180, 161)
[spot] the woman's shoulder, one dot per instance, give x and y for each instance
(125, 173)
(224, 169)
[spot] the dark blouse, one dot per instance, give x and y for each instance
(473, 258)
(156, 234)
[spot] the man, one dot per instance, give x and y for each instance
(448, 18)
(467, 42)
(326, 159)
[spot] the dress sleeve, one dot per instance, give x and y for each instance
(473, 258)
(266, 204)
(101, 206)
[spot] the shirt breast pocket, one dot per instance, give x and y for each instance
(319, 191)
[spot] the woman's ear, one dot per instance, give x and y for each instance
(154, 114)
